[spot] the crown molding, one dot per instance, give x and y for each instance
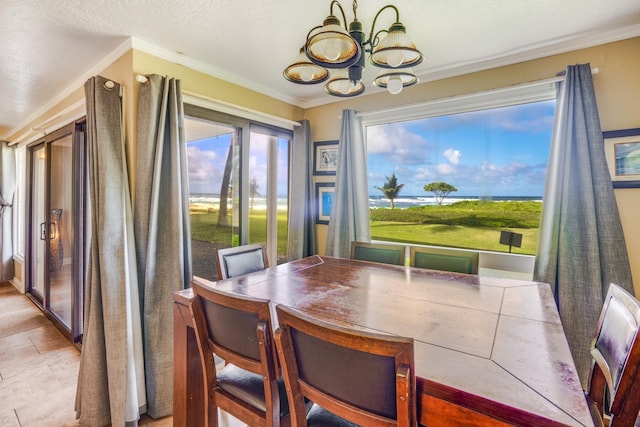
(209, 70)
(532, 52)
(528, 53)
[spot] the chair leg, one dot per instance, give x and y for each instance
(212, 413)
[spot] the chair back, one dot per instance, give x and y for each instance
(444, 259)
(237, 329)
(239, 260)
(385, 253)
(614, 383)
(364, 378)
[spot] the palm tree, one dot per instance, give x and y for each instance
(391, 188)
(253, 189)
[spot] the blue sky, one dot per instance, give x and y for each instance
(206, 162)
(498, 152)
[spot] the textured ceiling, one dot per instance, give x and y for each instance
(49, 47)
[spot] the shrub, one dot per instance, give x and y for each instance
(469, 213)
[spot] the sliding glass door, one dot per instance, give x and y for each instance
(213, 163)
(39, 232)
(238, 186)
(268, 177)
(55, 253)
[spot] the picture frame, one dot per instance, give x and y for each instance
(325, 192)
(622, 151)
(325, 157)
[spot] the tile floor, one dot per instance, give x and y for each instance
(39, 369)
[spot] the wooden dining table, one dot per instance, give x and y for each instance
(488, 350)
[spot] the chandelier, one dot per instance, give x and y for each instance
(330, 47)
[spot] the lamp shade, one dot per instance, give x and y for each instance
(394, 81)
(396, 50)
(331, 46)
(305, 72)
(340, 85)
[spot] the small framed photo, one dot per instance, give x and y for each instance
(325, 192)
(622, 150)
(325, 157)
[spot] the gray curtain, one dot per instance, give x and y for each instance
(111, 377)
(302, 227)
(7, 190)
(581, 249)
(161, 219)
(350, 212)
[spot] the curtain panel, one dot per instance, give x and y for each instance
(162, 229)
(7, 191)
(349, 219)
(111, 377)
(581, 248)
(302, 228)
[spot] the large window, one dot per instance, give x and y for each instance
(461, 178)
(238, 184)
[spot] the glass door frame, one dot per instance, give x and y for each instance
(244, 128)
(274, 134)
(79, 188)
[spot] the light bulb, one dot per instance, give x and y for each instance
(331, 49)
(395, 58)
(394, 85)
(307, 74)
(344, 86)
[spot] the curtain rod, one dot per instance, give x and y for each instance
(521, 86)
(69, 114)
(72, 112)
(227, 107)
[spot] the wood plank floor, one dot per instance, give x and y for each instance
(39, 369)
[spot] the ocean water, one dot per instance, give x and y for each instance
(411, 201)
(213, 201)
(260, 203)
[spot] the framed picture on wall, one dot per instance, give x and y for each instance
(324, 201)
(622, 150)
(325, 157)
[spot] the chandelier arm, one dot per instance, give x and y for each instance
(344, 17)
(372, 41)
(311, 31)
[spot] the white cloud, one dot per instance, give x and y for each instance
(445, 169)
(453, 155)
(398, 144)
(204, 172)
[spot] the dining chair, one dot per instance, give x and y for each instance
(444, 259)
(336, 376)
(238, 329)
(386, 253)
(240, 260)
(614, 382)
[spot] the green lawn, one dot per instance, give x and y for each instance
(204, 227)
(456, 236)
(467, 224)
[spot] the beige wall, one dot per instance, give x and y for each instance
(617, 87)
(203, 84)
(124, 71)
